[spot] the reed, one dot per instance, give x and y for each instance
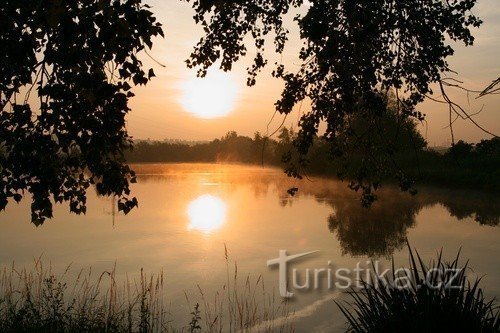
(36, 299)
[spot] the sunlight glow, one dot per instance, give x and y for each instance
(206, 214)
(210, 97)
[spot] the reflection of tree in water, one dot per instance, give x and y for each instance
(377, 231)
(382, 229)
(484, 209)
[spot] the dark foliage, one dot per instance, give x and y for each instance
(80, 59)
(436, 300)
(465, 165)
(354, 53)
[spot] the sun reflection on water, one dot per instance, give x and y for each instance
(207, 213)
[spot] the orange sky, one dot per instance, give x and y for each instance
(158, 111)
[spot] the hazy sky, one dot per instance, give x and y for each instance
(160, 111)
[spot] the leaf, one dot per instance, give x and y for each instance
(151, 73)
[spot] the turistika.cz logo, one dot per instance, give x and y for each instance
(368, 274)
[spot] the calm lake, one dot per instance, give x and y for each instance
(189, 213)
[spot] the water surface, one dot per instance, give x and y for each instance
(188, 213)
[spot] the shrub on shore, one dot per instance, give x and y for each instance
(436, 300)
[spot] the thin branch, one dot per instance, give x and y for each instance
(491, 89)
(151, 57)
(460, 111)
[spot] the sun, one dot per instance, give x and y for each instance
(213, 96)
(206, 214)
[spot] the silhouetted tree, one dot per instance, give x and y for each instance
(353, 54)
(489, 147)
(67, 67)
(460, 150)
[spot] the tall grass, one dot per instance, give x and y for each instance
(434, 298)
(39, 300)
(243, 306)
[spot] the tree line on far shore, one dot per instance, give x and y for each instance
(462, 165)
